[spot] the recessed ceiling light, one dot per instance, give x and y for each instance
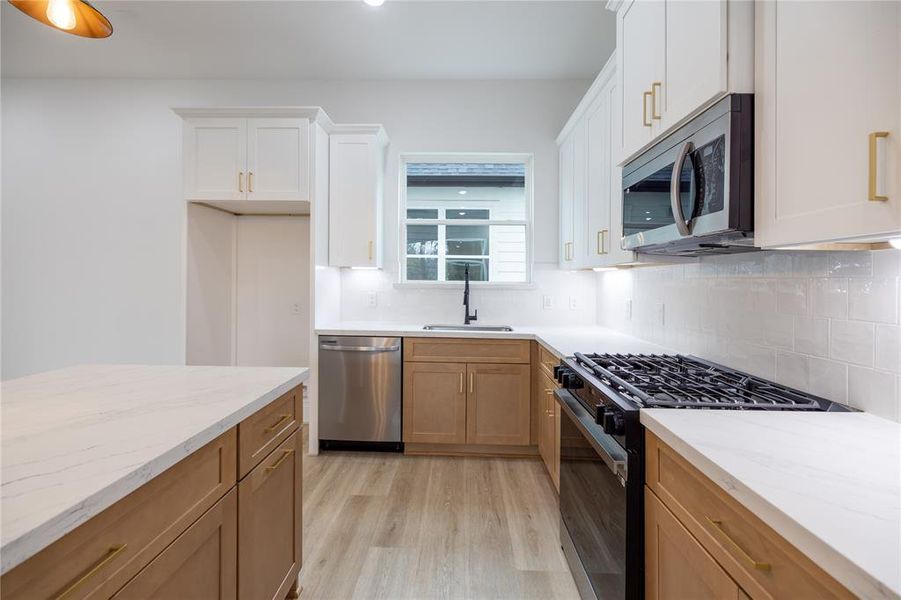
(77, 17)
(462, 192)
(374, 2)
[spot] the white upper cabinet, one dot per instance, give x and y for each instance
(356, 173)
(675, 58)
(828, 90)
(215, 158)
(590, 190)
(238, 159)
(278, 159)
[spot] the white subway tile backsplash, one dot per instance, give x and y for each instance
(829, 298)
(803, 318)
(852, 342)
(873, 391)
(812, 336)
(873, 300)
(888, 348)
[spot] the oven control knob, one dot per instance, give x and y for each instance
(613, 422)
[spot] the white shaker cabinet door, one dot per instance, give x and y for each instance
(278, 159)
(696, 67)
(828, 78)
(355, 201)
(641, 33)
(215, 159)
(567, 230)
(596, 225)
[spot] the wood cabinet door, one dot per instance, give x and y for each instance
(497, 404)
(641, 34)
(269, 524)
(696, 68)
(544, 395)
(215, 158)
(676, 565)
(354, 201)
(434, 403)
(278, 159)
(816, 103)
(202, 563)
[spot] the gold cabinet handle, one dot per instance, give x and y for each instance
(873, 195)
(718, 525)
(277, 424)
(644, 109)
(112, 553)
(568, 251)
(654, 87)
(461, 381)
(370, 249)
(281, 459)
(240, 181)
(472, 382)
(602, 241)
(250, 181)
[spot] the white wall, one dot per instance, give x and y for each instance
(824, 322)
(93, 225)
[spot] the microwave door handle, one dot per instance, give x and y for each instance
(682, 225)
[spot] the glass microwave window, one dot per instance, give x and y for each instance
(710, 175)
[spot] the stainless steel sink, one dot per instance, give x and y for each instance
(506, 328)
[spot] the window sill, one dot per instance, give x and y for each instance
(475, 285)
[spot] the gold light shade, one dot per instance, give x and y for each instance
(72, 16)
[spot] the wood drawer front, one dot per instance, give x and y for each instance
(259, 434)
(547, 360)
(269, 524)
(100, 556)
(202, 564)
(732, 534)
(466, 350)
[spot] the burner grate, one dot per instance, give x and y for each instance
(677, 381)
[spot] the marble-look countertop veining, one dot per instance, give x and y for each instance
(76, 440)
(563, 341)
(829, 483)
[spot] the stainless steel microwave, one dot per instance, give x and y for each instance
(692, 193)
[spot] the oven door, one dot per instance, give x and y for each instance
(593, 476)
(679, 189)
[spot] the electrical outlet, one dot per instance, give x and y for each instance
(547, 302)
(373, 299)
(295, 308)
(573, 303)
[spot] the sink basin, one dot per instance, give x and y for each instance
(468, 328)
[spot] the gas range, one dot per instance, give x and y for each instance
(602, 450)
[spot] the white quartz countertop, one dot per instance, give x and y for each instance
(76, 440)
(829, 483)
(563, 341)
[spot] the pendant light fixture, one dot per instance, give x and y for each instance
(77, 17)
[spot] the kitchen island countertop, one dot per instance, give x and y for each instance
(77, 440)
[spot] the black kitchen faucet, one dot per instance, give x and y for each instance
(467, 318)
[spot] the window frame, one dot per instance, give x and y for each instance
(403, 221)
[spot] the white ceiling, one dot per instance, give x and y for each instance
(320, 40)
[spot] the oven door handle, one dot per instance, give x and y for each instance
(610, 452)
(683, 225)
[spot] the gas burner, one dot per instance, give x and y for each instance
(677, 381)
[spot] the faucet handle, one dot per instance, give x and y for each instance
(475, 316)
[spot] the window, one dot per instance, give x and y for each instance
(459, 212)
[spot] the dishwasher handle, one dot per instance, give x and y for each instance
(359, 348)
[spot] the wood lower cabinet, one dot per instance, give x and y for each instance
(201, 564)
(434, 403)
(549, 426)
(497, 404)
(269, 524)
(676, 565)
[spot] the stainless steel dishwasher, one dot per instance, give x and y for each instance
(360, 393)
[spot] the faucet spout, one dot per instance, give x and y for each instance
(467, 318)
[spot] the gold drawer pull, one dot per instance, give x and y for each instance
(873, 195)
(112, 553)
(718, 525)
(281, 459)
(644, 109)
(277, 424)
(654, 87)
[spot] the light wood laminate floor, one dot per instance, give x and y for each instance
(402, 527)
